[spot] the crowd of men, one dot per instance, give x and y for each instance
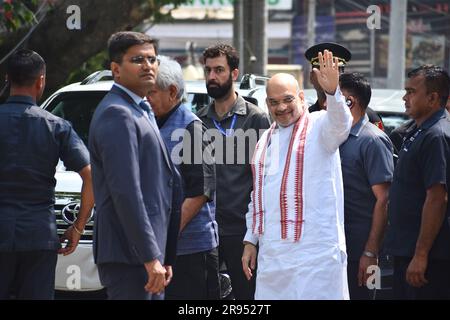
(299, 211)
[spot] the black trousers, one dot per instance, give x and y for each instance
(125, 282)
(357, 292)
(195, 277)
(28, 275)
(437, 274)
(230, 252)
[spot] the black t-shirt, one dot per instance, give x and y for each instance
(366, 159)
(32, 141)
(423, 162)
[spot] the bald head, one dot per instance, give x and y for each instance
(283, 80)
(284, 99)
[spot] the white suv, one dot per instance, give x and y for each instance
(76, 103)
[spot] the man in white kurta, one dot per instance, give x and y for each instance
(296, 214)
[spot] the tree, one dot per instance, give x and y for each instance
(14, 14)
(68, 32)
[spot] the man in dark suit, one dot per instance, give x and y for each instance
(31, 143)
(196, 271)
(135, 183)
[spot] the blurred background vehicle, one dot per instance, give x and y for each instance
(388, 103)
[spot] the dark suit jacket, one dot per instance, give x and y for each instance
(137, 189)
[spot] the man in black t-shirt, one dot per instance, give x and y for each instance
(419, 235)
(32, 141)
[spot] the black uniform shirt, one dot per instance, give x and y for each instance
(31, 142)
(367, 160)
(423, 162)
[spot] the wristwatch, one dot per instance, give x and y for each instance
(369, 254)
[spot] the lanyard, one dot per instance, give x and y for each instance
(227, 132)
(408, 142)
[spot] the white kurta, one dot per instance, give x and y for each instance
(315, 267)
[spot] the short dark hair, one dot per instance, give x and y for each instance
(436, 80)
(24, 67)
(357, 85)
(121, 41)
(223, 50)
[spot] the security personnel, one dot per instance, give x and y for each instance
(418, 237)
(344, 56)
(31, 142)
(367, 170)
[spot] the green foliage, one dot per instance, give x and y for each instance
(100, 61)
(18, 14)
(95, 63)
(15, 14)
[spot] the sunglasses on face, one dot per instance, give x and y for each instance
(141, 60)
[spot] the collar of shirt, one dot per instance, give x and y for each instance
(21, 99)
(162, 120)
(238, 107)
(426, 124)
(433, 119)
(356, 129)
(132, 95)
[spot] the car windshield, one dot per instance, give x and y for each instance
(77, 108)
(392, 121)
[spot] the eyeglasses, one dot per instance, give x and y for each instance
(287, 100)
(141, 59)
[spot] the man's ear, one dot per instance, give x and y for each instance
(234, 74)
(349, 102)
(115, 69)
(434, 98)
(173, 91)
(301, 96)
(40, 83)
